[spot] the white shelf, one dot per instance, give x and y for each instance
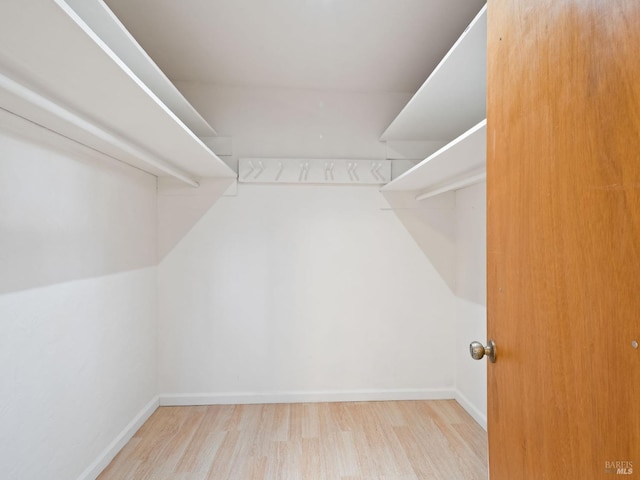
(453, 98)
(457, 164)
(97, 15)
(57, 72)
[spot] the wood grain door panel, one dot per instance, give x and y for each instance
(563, 246)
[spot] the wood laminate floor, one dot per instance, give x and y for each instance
(403, 440)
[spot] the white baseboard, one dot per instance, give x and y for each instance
(471, 409)
(92, 472)
(179, 399)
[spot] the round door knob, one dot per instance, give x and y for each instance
(478, 350)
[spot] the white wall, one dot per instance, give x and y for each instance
(297, 293)
(450, 230)
(471, 290)
(77, 305)
(279, 293)
(67, 212)
(280, 122)
(302, 293)
(431, 223)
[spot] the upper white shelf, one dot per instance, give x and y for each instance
(459, 163)
(453, 98)
(57, 72)
(99, 17)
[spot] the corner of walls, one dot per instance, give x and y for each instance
(471, 311)
(180, 206)
(78, 302)
(472, 409)
(431, 224)
(450, 230)
(109, 453)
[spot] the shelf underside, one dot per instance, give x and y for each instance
(463, 158)
(453, 98)
(56, 72)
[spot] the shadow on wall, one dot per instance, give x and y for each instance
(431, 223)
(181, 206)
(471, 244)
(450, 229)
(68, 212)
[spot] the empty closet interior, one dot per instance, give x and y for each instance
(168, 239)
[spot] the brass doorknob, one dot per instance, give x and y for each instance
(478, 350)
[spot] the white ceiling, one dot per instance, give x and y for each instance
(352, 45)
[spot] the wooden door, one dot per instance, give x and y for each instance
(563, 251)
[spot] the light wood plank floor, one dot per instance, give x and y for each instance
(405, 440)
